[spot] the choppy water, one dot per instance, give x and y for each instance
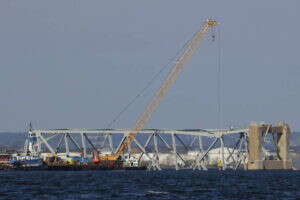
(168, 184)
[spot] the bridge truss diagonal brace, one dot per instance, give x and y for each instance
(154, 164)
(145, 146)
(43, 140)
(57, 149)
(89, 141)
(74, 142)
(197, 164)
(176, 154)
(46, 143)
(242, 155)
(202, 163)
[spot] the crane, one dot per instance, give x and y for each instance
(168, 82)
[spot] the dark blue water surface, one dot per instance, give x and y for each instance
(167, 184)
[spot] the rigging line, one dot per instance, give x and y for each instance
(219, 91)
(176, 57)
(137, 96)
(219, 77)
(150, 82)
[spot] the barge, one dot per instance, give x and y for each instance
(53, 162)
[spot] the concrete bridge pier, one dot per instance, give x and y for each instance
(257, 133)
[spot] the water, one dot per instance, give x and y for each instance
(167, 184)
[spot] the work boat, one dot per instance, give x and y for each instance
(26, 161)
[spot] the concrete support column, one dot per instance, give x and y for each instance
(283, 144)
(255, 147)
(246, 156)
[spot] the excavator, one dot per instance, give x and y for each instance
(180, 64)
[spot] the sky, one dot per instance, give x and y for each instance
(77, 64)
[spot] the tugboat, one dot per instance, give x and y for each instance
(26, 161)
(30, 159)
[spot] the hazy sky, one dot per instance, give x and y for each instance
(76, 64)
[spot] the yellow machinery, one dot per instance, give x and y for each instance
(159, 94)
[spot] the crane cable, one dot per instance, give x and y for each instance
(109, 125)
(168, 82)
(219, 77)
(125, 108)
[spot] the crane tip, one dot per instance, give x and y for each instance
(212, 22)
